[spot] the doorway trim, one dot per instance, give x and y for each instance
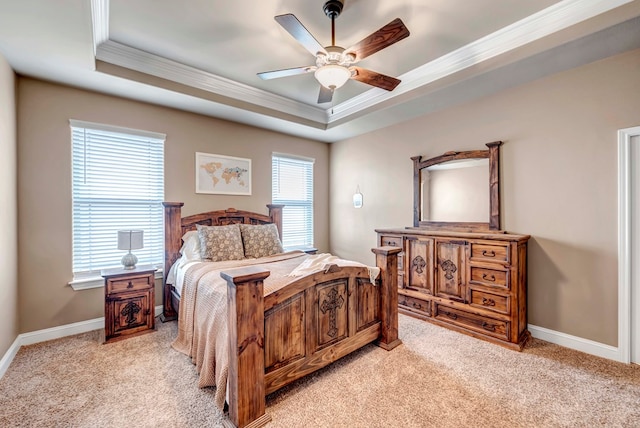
(624, 242)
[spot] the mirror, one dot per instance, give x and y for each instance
(458, 190)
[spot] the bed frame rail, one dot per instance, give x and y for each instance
(277, 339)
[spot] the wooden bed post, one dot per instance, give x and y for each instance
(245, 299)
(387, 261)
(275, 212)
(172, 242)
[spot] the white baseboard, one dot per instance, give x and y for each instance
(577, 343)
(53, 333)
(8, 356)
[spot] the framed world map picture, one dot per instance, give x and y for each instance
(224, 175)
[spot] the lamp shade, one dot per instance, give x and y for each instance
(332, 76)
(130, 239)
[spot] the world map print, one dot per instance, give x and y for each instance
(220, 174)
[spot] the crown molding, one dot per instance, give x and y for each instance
(534, 27)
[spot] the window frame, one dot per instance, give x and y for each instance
(308, 204)
(91, 278)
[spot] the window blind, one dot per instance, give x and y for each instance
(292, 185)
(117, 184)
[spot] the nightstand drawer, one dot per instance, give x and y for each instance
(130, 283)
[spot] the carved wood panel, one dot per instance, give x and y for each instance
(450, 276)
(368, 301)
(331, 312)
(284, 333)
(420, 265)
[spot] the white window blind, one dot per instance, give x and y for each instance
(292, 185)
(117, 184)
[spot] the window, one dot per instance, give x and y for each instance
(292, 186)
(117, 184)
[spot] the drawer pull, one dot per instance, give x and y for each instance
(489, 253)
(489, 327)
(450, 315)
(417, 305)
(130, 285)
(390, 244)
(491, 278)
(488, 302)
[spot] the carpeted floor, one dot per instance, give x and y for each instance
(437, 378)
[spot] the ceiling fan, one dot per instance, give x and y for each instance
(334, 64)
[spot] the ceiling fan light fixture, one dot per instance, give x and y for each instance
(332, 76)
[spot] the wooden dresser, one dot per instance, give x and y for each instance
(471, 282)
(128, 302)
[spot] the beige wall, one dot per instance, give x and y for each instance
(44, 184)
(559, 185)
(8, 211)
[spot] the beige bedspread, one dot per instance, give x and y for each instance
(202, 320)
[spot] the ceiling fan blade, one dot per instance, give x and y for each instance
(386, 36)
(325, 95)
(294, 27)
(267, 75)
(375, 79)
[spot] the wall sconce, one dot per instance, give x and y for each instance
(129, 240)
(357, 198)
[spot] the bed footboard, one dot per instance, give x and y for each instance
(283, 336)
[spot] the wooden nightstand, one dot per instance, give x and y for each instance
(129, 302)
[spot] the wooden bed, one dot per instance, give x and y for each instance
(282, 336)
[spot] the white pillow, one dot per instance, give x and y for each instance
(191, 248)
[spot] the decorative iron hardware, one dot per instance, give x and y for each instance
(130, 311)
(491, 278)
(418, 264)
(450, 315)
(449, 267)
(490, 253)
(488, 302)
(130, 285)
(489, 327)
(331, 304)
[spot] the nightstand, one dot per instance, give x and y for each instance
(129, 302)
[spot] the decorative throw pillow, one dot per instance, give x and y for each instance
(220, 243)
(260, 240)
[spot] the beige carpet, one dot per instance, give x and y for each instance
(437, 378)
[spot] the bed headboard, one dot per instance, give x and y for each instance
(175, 226)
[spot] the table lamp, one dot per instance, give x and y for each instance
(129, 240)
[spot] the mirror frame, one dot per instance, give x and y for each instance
(493, 154)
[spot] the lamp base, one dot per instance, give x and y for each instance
(129, 261)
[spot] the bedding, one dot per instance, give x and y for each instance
(220, 243)
(202, 319)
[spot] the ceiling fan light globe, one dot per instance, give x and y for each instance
(332, 76)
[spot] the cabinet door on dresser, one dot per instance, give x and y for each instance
(420, 264)
(450, 281)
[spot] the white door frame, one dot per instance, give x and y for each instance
(624, 243)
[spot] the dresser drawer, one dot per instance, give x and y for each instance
(130, 283)
(480, 324)
(491, 301)
(490, 252)
(415, 305)
(489, 277)
(391, 241)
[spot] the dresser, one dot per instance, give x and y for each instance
(129, 302)
(471, 282)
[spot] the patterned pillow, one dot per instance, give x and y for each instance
(220, 243)
(260, 240)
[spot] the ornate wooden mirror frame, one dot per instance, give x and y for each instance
(493, 154)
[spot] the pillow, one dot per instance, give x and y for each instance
(260, 240)
(220, 243)
(191, 246)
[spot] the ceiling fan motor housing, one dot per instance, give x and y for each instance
(332, 8)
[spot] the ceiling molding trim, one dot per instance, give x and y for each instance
(144, 62)
(100, 20)
(541, 24)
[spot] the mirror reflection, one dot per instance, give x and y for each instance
(455, 191)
